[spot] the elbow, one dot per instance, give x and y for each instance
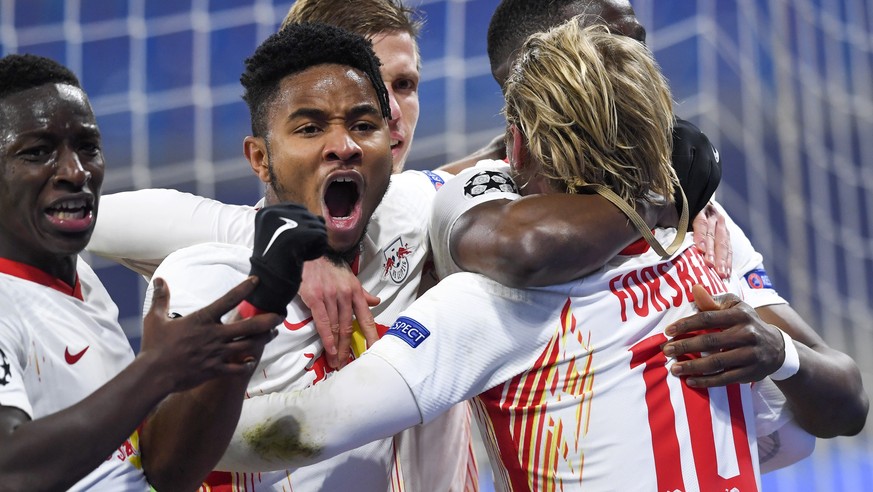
(521, 259)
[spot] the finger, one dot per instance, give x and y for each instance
(715, 363)
(228, 301)
(711, 303)
(344, 340)
(366, 322)
(711, 341)
(372, 300)
(734, 376)
(722, 242)
(258, 325)
(700, 226)
(160, 298)
(247, 349)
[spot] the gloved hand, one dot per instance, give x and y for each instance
(697, 165)
(286, 235)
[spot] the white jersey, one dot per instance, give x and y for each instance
(58, 344)
(574, 390)
(393, 255)
(491, 180)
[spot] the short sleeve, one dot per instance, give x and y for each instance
(748, 264)
(13, 358)
(487, 181)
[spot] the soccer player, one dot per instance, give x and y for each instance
(72, 394)
(320, 136)
(749, 345)
(573, 389)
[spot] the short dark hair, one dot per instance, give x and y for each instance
(516, 20)
(21, 72)
(300, 46)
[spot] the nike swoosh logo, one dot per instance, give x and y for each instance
(289, 224)
(73, 358)
(297, 326)
(715, 154)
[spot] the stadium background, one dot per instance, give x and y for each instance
(784, 88)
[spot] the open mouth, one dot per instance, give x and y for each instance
(72, 215)
(341, 197)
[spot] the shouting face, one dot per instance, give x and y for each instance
(328, 148)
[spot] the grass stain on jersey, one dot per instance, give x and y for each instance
(279, 440)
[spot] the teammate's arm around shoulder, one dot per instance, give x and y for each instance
(151, 224)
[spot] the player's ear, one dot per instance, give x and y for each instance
(516, 148)
(255, 150)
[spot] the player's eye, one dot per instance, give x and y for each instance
(308, 129)
(405, 85)
(36, 153)
(364, 126)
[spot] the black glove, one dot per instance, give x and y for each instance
(286, 235)
(697, 165)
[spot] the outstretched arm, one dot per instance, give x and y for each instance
(283, 430)
(140, 228)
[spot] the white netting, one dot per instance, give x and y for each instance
(784, 88)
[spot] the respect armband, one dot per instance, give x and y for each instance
(791, 364)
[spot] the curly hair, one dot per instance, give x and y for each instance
(295, 48)
(367, 18)
(22, 72)
(594, 109)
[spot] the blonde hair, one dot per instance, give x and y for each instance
(366, 18)
(594, 109)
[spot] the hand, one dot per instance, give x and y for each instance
(198, 347)
(738, 346)
(286, 235)
(697, 165)
(333, 293)
(713, 240)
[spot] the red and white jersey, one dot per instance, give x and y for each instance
(394, 251)
(58, 344)
(574, 392)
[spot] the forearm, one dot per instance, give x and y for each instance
(826, 395)
(543, 239)
(54, 452)
(366, 401)
(195, 220)
(184, 438)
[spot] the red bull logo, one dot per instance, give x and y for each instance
(396, 260)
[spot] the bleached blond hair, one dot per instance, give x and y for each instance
(594, 109)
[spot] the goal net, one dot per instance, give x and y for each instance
(784, 88)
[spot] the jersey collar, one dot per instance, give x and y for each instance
(33, 274)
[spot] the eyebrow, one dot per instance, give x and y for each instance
(358, 110)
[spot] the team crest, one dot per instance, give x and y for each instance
(489, 182)
(396, 261)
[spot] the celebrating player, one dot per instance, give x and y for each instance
(749, 345)
(573, 388)
(72, 394)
